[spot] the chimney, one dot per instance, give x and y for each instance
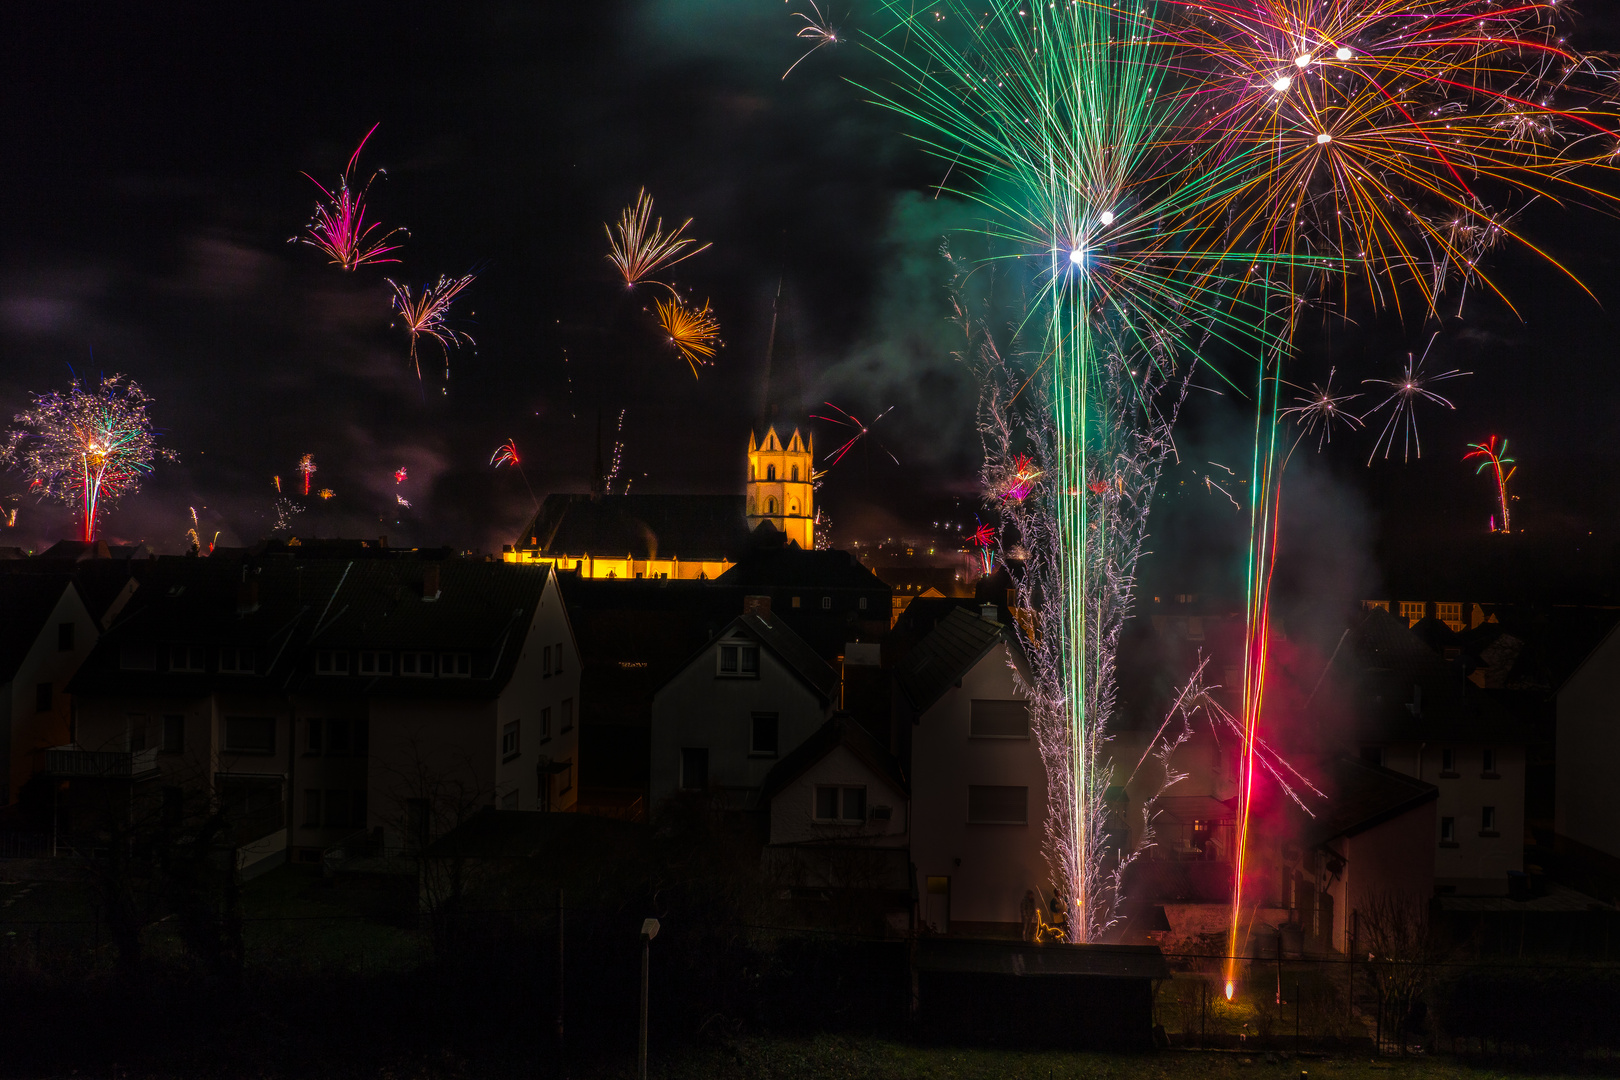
(382, 541)
(247, 597)
(988, 613)
(757, 605)
(430, 582)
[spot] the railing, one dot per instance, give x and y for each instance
(72, 761)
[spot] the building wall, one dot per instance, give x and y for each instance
(445, 751)
(793, 808)
(1477, 864)
(535, 687)
(624, 566)
(27, 730)
(990, 866)
(700, 708)
(1588, 800)
(333, 773)
(1395, 857)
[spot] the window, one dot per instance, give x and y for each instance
(455, 665)
(138, 658)
(565, 779)
(770, 503)
(509, 801)
(1372, 755)
(762, 736)
(861, 603)
(330, 662)
(739, 660)
(236, 661)
(42, 697)
(826, 603)
(770, 474)
(250, 734)
(545, 724)
(376, 663)
(337, 809)
(135, 732)
(186, 658)
(1412, 611)
(545, 662)
(419, 664)
(694, 768)
(1448, 762)
(990, 719)
(992, 805)
(64, 637)
(312, 808)
(337, 736)
(557, 654)
(174, 734)
(1451, 615)
(795, 601)
(317, 728)
(847, 804)
(1448, 831)
(357, 809)
(568, 714)
(509, 741)
(1487, 821)
(1488, 763)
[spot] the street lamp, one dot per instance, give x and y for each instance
(649, 930)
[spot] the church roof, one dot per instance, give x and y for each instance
(645, 526)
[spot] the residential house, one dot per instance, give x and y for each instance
(45, 634)
(827, 597)
(978, 785)
(752, 694)
(312, 699)
(1587, 808)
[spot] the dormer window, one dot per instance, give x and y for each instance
(376, 663)
(235, 661)
(331, 662)
(739, 660)
(419, 664)
(186, 658)
(456, 665)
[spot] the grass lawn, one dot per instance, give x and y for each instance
(836, 1058)
(293, 917)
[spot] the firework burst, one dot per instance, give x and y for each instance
(426, 315)
(1406, 392)
(85, 448)
(306, 466)
(1320, 409)
(507, 454)
(694, 332)
(1493, 456)
(817, 28)
(339, 227)
(637, 251)
(861, 428)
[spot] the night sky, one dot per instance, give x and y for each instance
(150, 181)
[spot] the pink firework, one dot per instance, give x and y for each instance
(1021, 479)
(339, 226)
(306, 465)
(400, 475)
(507, 454)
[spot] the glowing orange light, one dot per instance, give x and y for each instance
(1228, 991)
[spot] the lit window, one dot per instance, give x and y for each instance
(1412, 611)
(770, 474)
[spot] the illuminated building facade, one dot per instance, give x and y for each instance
(779, 485)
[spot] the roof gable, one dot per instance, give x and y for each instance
(841, 730)
(952, 649)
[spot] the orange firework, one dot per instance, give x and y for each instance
(694, 332)
(426, 315)
(637, 252)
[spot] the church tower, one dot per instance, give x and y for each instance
(780, 464)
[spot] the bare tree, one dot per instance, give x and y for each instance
(1402, 951)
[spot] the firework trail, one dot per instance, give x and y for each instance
(339, 227)
(507, 454)
(1493, 457)
(638, 252)
(1405, 393)
(694, 332)
(818, 29)
(862, 430)
(612, 474)
(277, 481)
(426, 315)
(306, 466)
(84, 448)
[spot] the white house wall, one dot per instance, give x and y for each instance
(990, 866)
(531, 689)
(793, 808)
(1588, 799)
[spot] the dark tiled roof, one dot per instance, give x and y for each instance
(691, 527)
(950, 650)
(792, 650)
(791, 567)
(1361, 796)
(841, 730)
(27, 601)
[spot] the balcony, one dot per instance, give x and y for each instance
(71, 760)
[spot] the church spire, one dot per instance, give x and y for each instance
(782, 390)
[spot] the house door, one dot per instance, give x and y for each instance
(936, 913)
